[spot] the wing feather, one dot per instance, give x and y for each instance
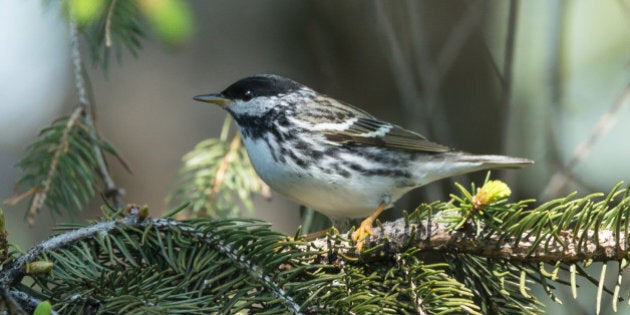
(349, 125)
(373, 132)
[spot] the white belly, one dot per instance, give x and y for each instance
(332, 194)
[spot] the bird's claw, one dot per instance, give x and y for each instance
(364, 230)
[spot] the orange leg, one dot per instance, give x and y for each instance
(365, 229)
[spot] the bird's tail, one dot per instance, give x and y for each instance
(495, 161)
(431, 168)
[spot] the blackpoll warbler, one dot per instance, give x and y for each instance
(332, 156)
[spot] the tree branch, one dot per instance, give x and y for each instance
(12, 306)
(479, 233)
(111, 190)
(14, 271)
(395, 237)
(26, 301)
(41, 191)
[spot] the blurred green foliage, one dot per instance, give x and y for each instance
(217, 178)
(171, 20)
(120, 24)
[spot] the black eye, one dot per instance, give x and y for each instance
(248, 95)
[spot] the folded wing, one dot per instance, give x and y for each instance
(373, 132)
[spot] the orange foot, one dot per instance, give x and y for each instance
(365, 229)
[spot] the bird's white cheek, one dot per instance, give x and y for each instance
(254, 107)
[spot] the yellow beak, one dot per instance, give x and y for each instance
(217, 99)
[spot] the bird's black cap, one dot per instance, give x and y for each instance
(260, 85)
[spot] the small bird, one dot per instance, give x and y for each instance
(333, 157)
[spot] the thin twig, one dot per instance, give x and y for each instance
(27, 301)
(417, 299)
(606, 122)
(219, 176)
(239, 260)
(108, 24)
(111, 190)
(41, 192)
(78, 67)
(235, 145)
(13, 307)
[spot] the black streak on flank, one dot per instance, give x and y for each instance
(283, 121)
(316, 155)
(378, 171)
(299, 161)
(273, 153)
(341, 171)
